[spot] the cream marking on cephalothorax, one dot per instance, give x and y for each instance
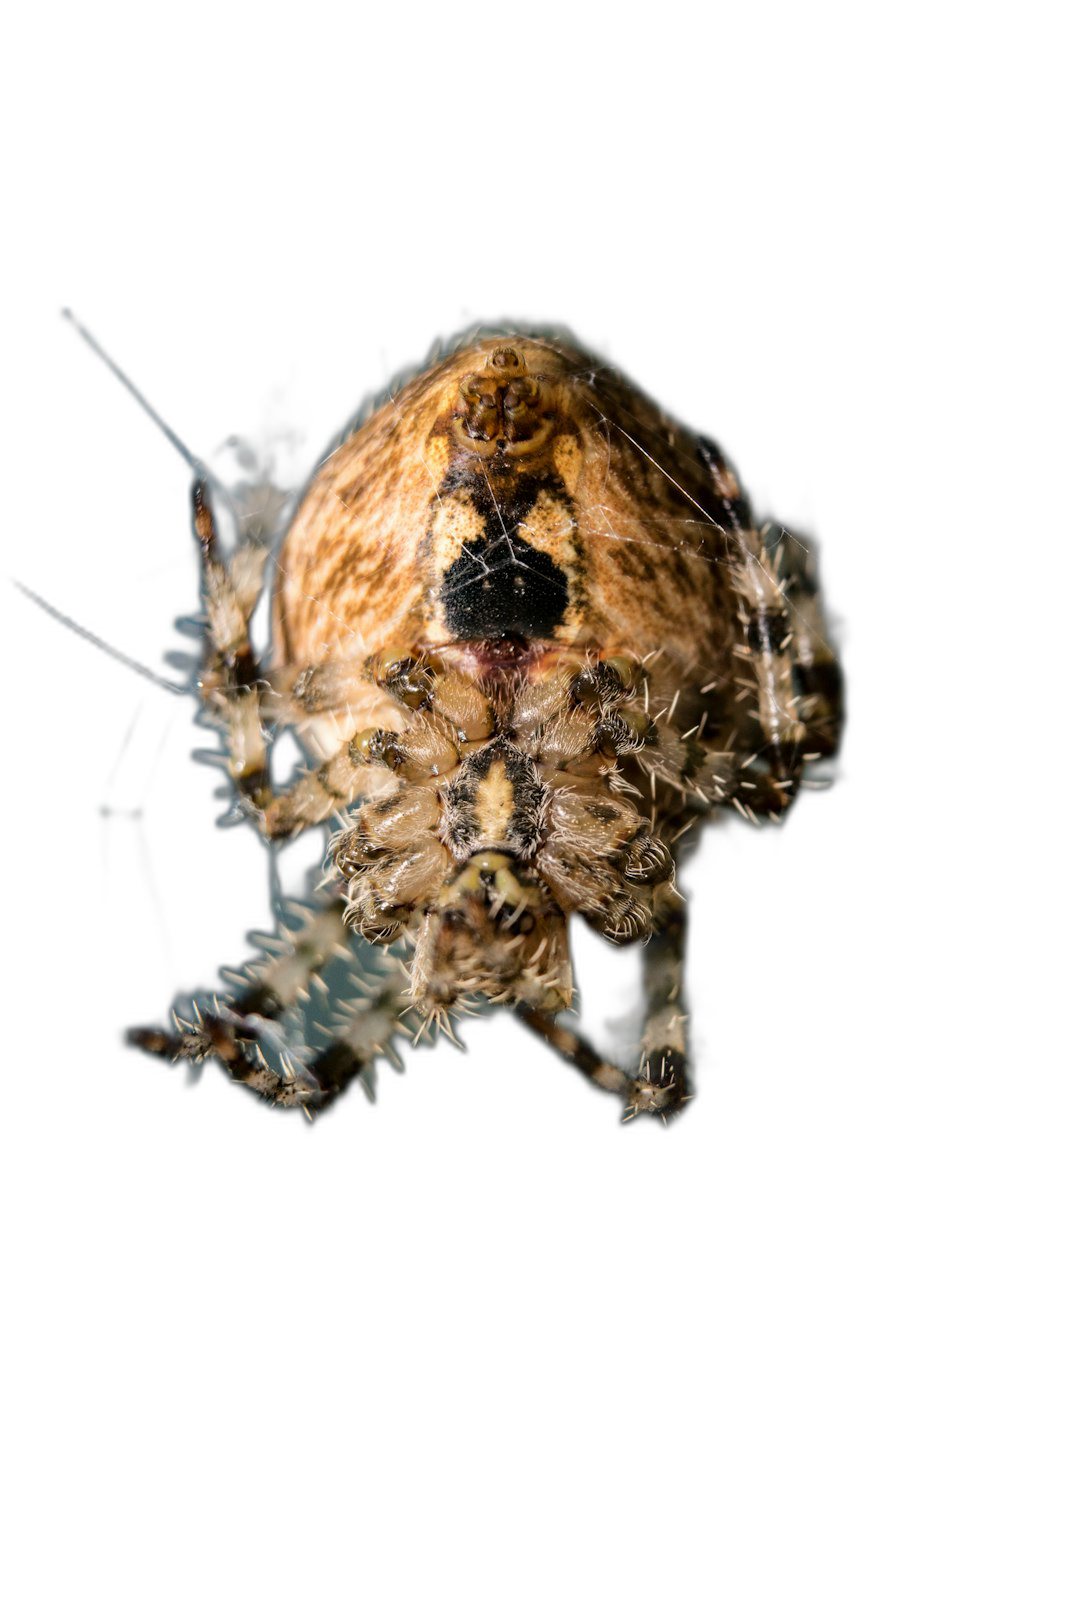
(494, 804)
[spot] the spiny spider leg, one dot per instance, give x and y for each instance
(231, 679)
(230, 1030)
(440, 711)
(239, 698)
(787, 702)
(662, 1084)
(437, 710)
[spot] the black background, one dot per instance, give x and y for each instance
(773, 331)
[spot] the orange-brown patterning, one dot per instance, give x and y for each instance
(530, 634)
(579, 468)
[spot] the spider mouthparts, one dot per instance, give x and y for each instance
(494, 931)
(499, 659)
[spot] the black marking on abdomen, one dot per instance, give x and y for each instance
(525, 594)
(501, 585)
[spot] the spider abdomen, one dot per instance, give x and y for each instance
(512, 491)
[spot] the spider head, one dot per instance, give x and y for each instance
(493, 931)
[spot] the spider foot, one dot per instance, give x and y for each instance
(231, 1043)
(662, 1086)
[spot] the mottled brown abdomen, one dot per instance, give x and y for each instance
(519, 491)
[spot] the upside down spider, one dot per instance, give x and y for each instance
(529, 636)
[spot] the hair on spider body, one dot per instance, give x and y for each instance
(528, 635)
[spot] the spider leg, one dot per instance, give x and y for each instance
(240, 697)
(243, 700)
(662, 1084)
(419, 754)
(789, 697)
(231, 681)
(438, 712)
(817, 677)
(233, 1031)
(564, 1040)
(442, 708)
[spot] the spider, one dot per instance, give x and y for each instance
(528, 636)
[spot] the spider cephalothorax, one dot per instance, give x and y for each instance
(530, 634)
